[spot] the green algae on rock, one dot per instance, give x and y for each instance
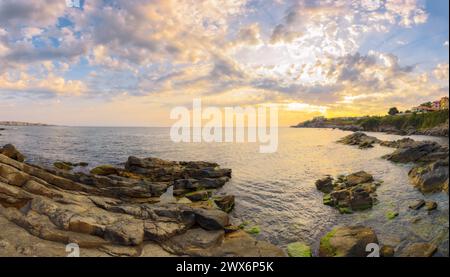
(299, 249)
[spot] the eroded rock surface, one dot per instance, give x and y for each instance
(117, 211)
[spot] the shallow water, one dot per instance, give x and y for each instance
(274, 191)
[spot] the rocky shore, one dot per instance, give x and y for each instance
(356, 191)
(431, 168)
(114, 211)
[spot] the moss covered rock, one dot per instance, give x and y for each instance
(105, 170)
(299, 249)
(348, 241)
(63, 165)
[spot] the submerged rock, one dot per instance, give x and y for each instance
(418, 250)
(346, 241)
(431, 205)
(417, 204)
(105, 170)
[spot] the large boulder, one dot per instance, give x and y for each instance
(432, 177)
(211, 219)
(347, 242)
(11, 152)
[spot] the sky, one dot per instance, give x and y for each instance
(129, 63)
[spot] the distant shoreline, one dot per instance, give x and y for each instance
(18, 123)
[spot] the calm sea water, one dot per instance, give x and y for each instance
(274, 191)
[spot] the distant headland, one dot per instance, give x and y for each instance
(18, 123)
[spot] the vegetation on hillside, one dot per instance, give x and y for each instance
(417, 121)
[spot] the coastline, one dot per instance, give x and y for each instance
(67, 175)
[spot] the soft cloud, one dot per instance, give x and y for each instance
(441, 71)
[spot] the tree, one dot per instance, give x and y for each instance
(393, 111)
(427, 104)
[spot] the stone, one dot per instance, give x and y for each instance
(160, 231)
(362, 140)
(358, 178)
(195, 196)
(387, 251)
(430, 178)
(225, 203)
(105, 170)
(348, 241)
(325, 184)
(391, 215)
(211, 219)
(126, 232)
(299, 249)
(417, 204)
(11, 152)
(413, 152)
(194, 242)
(241, 244)
(418, 250)
(431, 205)
(63, 165)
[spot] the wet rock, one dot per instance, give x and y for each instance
(414, 152)
(430, 178)
(404, 142)
(387, 251)
(195, 196)
(362, 140)
(417, 204)
(63, 165)
(347, 242)
(354, 192)
(225, 203)
(299, 249)
(358, 178)
(418, 250)
(431, 205)
(105, 170)
(211, 219)
(11, 152)
(325, 184)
